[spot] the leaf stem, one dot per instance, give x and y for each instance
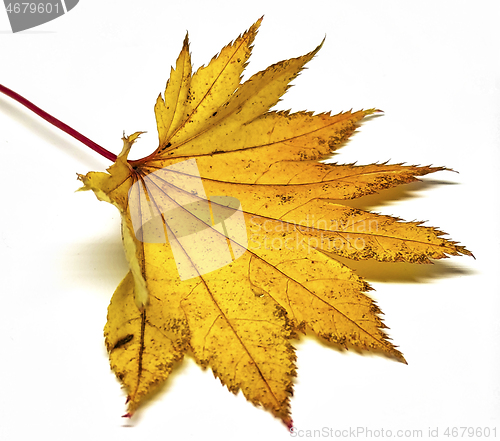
(59, 124)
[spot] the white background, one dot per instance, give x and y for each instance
(432, 66)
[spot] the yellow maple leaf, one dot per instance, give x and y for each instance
(231, 227)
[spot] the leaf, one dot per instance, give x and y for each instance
(231, 228)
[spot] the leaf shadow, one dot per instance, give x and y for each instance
(41, 129)
(390, 272)
(403, 272)
(98, 266)
(390, 196)
(400, 272)
(371, 352)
